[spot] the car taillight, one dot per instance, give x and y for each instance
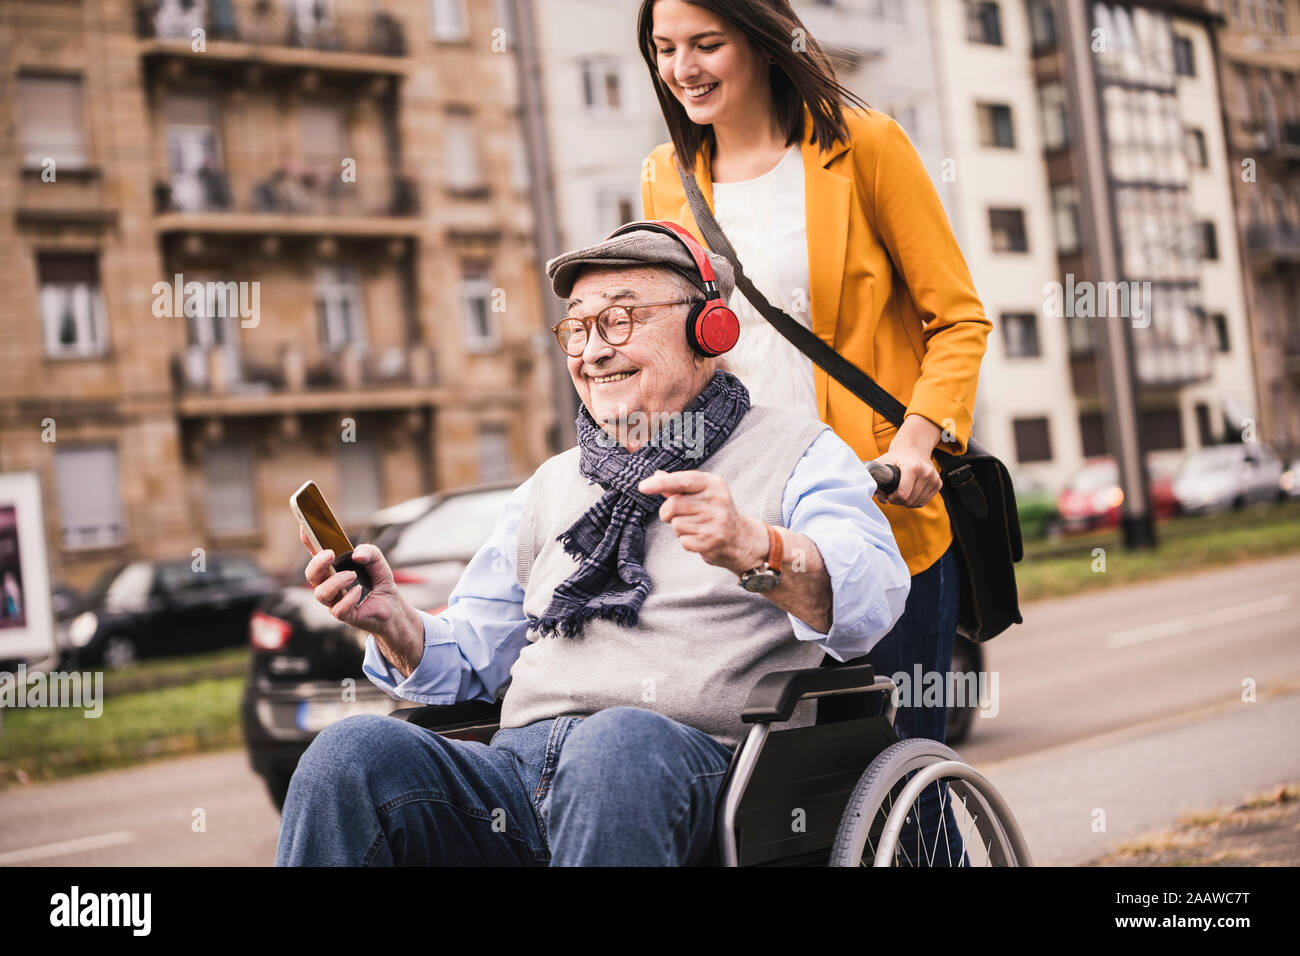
(406, 577)
(267, 633)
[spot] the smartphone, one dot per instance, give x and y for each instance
(323, 530)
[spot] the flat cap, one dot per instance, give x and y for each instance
(641, 247)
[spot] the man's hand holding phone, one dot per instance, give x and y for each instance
(383, 612)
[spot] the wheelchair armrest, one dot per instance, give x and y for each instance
(775, 696)
(451, 716)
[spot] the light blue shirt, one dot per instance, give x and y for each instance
(470, 646)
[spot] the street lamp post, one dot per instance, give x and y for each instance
(1115, 354)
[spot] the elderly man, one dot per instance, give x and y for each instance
(633, 591)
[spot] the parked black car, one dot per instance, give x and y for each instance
(158, 608)
(306, 665)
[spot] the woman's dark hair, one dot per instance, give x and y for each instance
(802, 74)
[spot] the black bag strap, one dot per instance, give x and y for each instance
(805, 340)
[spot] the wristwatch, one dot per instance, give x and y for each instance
(768, 574)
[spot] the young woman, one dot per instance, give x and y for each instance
(836, 221)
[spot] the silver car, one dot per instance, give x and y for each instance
(1228, 476)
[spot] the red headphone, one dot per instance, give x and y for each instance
(711, 328)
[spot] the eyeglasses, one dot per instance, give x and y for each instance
(613, 323)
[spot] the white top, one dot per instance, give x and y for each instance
(764, 219)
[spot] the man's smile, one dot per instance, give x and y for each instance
(610, 379)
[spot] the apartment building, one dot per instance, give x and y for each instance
(1258, 53)
(1020, 189)
(245, 243)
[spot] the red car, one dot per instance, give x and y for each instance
(1092, 497)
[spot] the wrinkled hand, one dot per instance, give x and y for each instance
(703, 515)
(384, 612)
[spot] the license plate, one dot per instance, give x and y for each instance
(314, 715)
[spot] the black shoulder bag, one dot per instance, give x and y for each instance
(976, 486)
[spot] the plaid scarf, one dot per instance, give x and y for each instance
(609, 538)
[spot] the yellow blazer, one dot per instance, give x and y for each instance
(890, 291)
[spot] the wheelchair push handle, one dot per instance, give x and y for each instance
(887, 477)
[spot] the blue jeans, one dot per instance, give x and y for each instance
(924, 635)
(625, 786)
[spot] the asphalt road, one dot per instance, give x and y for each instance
(1116, 711)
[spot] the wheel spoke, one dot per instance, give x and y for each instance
(977, 813)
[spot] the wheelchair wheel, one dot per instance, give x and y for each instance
(888, 799)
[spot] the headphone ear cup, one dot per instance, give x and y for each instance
(712, 328)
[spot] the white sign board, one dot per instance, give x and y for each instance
(26, 616)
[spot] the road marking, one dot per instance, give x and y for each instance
(79, 845)
(1199, 622)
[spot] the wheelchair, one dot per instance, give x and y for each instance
(801, 796)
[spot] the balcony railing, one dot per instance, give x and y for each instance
(314, 26)
(285, 191)
(226, 370)
(1274, 242)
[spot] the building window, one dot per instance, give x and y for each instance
(339, 315)
(1092, 434)
(1195, 142)
(614, 209)
(52, 122)
(1209, 240)
(983, 22)
(601, 84)
(449, 20)
(232, 503)
(1162, 429)
(1033, 440)
(360, 481)
(1065, 218)
(90, 505)
(1042, 26)
(1054, 113)
(493, 453)
(1184, 63)
(323, 135)
(995, 125)
(1205, 426)
(72, 307)
(1020, 334)
(1008, 228)
(1219, 325)
(194, 156)
(1078, 333)
(464, 169)
(502, 13)
(481, 330)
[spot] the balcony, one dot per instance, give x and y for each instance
(296, 378)
(273, 32)
(75, 197)
(1289, 147)
(287, 201)
(1267, 245)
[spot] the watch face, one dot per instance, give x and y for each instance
(760, 581)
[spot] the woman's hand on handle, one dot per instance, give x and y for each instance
(910, 453)
(385, 613)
